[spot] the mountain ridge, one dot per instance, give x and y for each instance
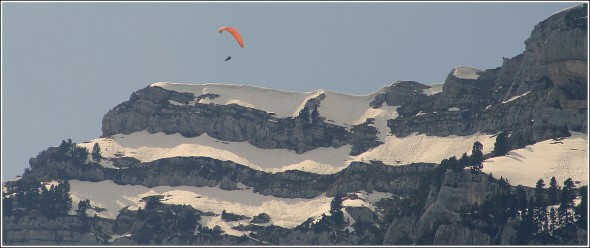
(217, 164)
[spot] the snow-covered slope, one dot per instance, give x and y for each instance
(341, 109)
(422, 148)
(282, 103)
(395, 151)
(338, 108)
(561, 158)
(148, 147)
(283, 212)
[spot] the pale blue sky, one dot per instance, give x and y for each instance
(64, 65)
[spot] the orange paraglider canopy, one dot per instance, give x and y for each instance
(235, 33)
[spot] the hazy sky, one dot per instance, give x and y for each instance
(64, 65)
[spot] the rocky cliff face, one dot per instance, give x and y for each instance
(202, 171)
(150, 109)
(159, 110)
(441, 212)
(534, 93)
(557, 50)
(35, 229)
(442, 220)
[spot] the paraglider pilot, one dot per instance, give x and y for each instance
(228, 58)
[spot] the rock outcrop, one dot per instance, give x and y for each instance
(457, 234)
(557, 50)
(535, 93)
(440, 218)
(150, 109)
(36, 229)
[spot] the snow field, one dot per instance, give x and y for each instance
(366, 200)
(148, 147)
(395, 151)
(422, 148)
(338, 108)
(282, 103)
(345, 110)
(543, 160)
(284, 212)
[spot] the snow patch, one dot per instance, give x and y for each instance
(284, 212)
(344, 109)
(118, 236)
(241, 103)
(434, 89)
(543, 160)
(465, 72)
(568, 8)
(364, 199)
(380, 117)
(516, 97)
(176, 103)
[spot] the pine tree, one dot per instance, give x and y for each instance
(521, 200)
(539, 196)
(582, 208)
(542, 221)
(463, 162)
(539, 207)
(553, 191)
(476, 158)
(502, 144)
(526, 227)
(224, 215)
(304, 114)
(566, 204)
(62, 151)
(553, 220)
(82, 207)
(96, 154)
(79, 154)
(337, 216)
(63, 196)
(315, 115)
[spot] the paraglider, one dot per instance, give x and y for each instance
(234, 32)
